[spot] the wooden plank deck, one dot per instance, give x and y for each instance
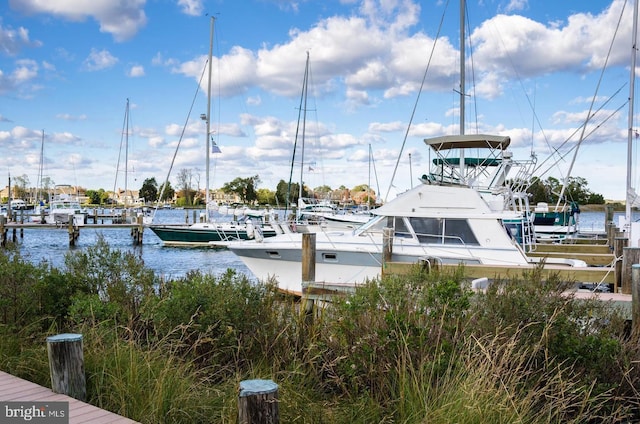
(18, 390)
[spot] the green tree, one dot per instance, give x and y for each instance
(97, 197)
(266, 196)
(293, 190)
(94, 197)
(322, 191)
(166, 192)
(185, 177)
(245, 188)
(576, 190)
(20, 187)
(149, 190)
(538, 191)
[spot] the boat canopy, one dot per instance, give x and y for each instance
(468, 161)
(468, 141)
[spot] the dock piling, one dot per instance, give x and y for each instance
(258, 402)
(618, 247)
(66, 365)
(635, 300)
(308, 267)
(630, 256)
(3, 231)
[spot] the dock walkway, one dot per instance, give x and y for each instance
(15, 389)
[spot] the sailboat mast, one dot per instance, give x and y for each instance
(462, 85)
(207, 195)
(305, 85)
(126, 153)
(40, 170)
(369, 181)
(630, 131)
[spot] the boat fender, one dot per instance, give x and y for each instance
(480, 283)
(250, 229)
(257, 232)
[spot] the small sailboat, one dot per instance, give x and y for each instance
(246, 223)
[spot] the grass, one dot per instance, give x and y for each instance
(412, 349)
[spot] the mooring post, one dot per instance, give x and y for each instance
(611, 233)
(258, 402)
(42, 220)
(138, 230)
(387, 246)
(73, 230)
(3, 231)
(630, 256)
(635, 300)
(308, 266)
(618, 245)
(66, 365)
(608, 214)
(21, 222)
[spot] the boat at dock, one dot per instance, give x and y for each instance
(555, 223)
(208, 231)
(438, 224)
(64, 206)
(245, 225)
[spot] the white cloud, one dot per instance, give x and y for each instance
(98, 60)
(69, 117)
(136, 71)
(191, 7)
(13, 40)
(122, 19)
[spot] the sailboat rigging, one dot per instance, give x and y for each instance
(124, 141)
(632, 228)
(208, 232)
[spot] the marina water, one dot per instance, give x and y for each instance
(172, 262)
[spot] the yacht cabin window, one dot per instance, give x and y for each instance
(435, 230)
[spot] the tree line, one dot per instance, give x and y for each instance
(189, 192)
(548, 190)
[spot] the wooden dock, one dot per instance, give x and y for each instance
(9, 230)
(15, 389)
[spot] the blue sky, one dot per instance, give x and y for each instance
(68, 67)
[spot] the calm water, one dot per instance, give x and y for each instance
(52, 245)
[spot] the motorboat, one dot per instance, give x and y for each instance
(445, 224)
(63, 208)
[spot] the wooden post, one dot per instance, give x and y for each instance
(138, 230)
(42, 220)
(3, 231)
(618, 245)
(611, 233)
(308, 266)
(66, 365)
(608, 214)
(258, 402)
(21, 222)
(309, 257)
(186, 217)
(74, 232)
(635, 300)
(387, 246)
(630, 256)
